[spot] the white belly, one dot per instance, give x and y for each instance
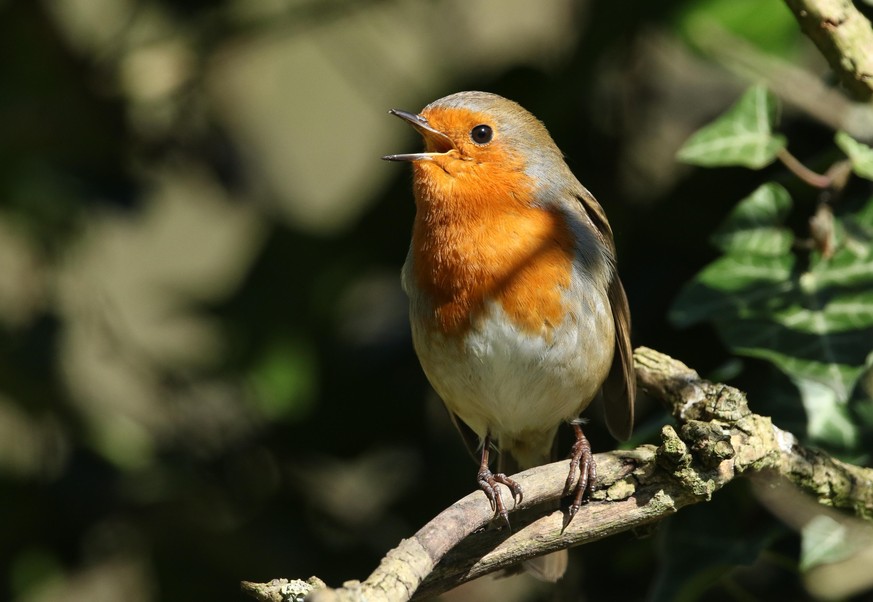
(506, 382)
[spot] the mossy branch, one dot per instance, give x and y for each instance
(844, 37)
(717, 438)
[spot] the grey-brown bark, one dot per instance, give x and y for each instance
(716, 439)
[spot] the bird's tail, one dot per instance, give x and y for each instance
(550, 567)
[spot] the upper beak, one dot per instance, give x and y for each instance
(433, 138)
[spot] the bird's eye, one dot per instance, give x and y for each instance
(481, 134)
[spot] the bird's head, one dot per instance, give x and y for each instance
(482, 132)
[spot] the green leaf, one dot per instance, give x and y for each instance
(755, 225)
(283, 380)
(742, 136)
(732, 287)
(768, 24)
(823, 541)
(862, 401)
(755, 268)
(814, 324)
(859, 154)
(828, 415)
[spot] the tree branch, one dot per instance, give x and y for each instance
(716, 439)
(844, 36)
(795, 85)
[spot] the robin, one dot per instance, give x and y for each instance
(518, 316)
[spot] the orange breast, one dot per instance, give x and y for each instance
(477, 239)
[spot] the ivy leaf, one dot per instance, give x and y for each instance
(859, 154)
(824, 541)
(755, 226)
(741, 136)
(756, 266)
(814, 322)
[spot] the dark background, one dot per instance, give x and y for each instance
(206, 373)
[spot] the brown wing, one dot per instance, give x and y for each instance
(620, 387)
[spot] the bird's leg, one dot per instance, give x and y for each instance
(488, 483)
(581, 459)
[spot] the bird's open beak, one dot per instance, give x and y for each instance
(435, 140)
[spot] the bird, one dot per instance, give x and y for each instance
(518, 316)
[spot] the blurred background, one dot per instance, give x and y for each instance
(206, 372)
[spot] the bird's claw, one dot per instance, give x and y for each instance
(488, 482)
(581, 461)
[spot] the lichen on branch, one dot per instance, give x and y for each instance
(716, 439)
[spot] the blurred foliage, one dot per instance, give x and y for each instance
(206, 373)
(860, 155)
(769, 25)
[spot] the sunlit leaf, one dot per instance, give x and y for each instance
(863, 395)
(755, 225)
(741, 136)
(828, 416)
(811, 319)
(859, 154)
(824, 542)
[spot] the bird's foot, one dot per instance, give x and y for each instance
(581, 460)
(488, 482)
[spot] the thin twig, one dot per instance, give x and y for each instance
(809, 176)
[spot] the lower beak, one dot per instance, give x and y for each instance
(433, 138)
